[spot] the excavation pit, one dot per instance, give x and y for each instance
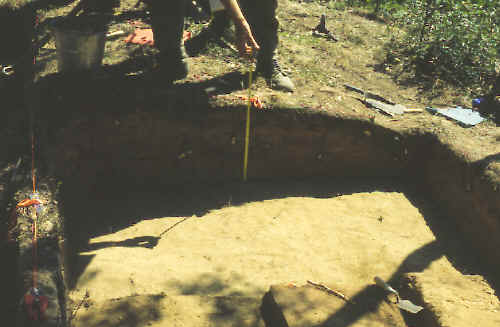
(104, 143)
(159, 227)
(147, 219)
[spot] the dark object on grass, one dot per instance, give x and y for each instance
(488, 106)
(322, 31)
(477, 102)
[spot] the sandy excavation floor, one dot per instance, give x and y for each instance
(163, 268)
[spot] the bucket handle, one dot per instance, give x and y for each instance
(7, 70)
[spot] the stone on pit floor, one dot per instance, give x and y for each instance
(457, 300)
(306, 306)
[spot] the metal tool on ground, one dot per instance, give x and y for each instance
(389, 109)
(115, 34)
(380, 103)
(402, 304)
(368, 94)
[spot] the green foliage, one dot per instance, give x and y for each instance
(453, 40)
(457, 41)
(383, 7)
(12, 4)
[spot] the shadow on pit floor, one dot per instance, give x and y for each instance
(247, 310)
(141, 310)
(117, 206)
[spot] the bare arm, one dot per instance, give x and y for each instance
(245, 41)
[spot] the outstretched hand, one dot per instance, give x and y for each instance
(245, 42)
(247, 46)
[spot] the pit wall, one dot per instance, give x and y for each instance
(46, 253)
(152, 147)
(469, 192)
(172, 147)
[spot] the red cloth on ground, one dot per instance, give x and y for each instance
(145, 36)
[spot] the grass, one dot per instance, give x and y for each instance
(13, 4)
(318, 67)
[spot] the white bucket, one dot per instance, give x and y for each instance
(79, 47)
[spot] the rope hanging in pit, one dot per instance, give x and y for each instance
(35, 304)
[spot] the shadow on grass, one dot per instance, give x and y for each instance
(407, 77)
(128, 86)
(374, 17)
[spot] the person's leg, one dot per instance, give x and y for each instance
(261, 15)
(167, 22)
(218, 26)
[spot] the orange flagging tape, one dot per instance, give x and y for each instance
(33, 177)
(28, 202)
(13, 218)
(255, 101)
(145, 36)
